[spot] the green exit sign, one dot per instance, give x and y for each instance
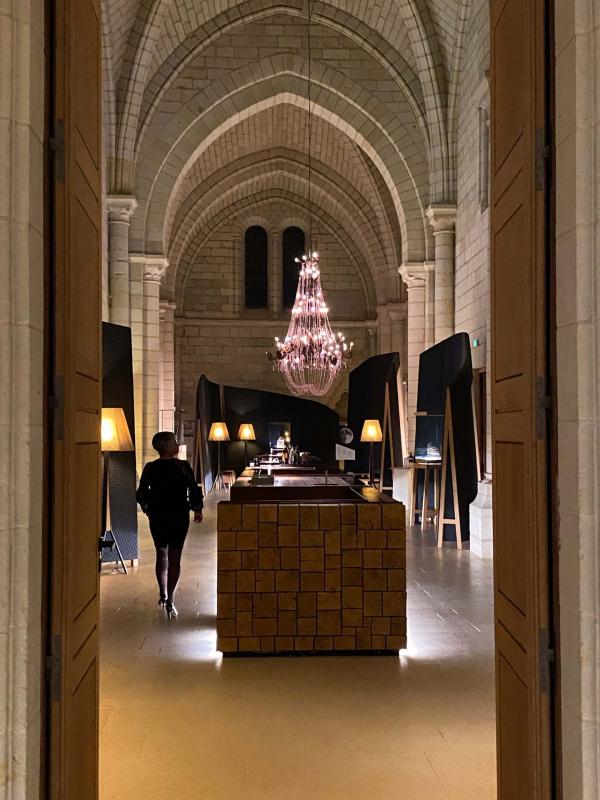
(476, 342)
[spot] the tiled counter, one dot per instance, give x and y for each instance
(307, 578)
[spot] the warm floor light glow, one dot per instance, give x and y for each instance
(114, 431)
(311, 355)
(246, 432)
(371, 431)
(218, 432)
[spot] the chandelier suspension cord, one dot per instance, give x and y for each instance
(309, 94)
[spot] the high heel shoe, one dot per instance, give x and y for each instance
(162, 600)
(171, 610)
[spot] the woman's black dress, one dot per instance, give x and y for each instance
(167, 491)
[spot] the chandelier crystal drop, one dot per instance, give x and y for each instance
(311, 355)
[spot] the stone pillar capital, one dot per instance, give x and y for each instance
(442, 218)
(120, 207)
(413, 274)
(396, 311)
(166, 309)
(154, 267)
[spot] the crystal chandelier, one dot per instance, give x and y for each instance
(311, 355)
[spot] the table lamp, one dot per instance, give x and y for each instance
(246, 434)
(115, 438)
(218, 433)
(371, 433)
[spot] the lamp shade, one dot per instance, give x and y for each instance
(218, 432)
(246, 432)
(115, 431)
(371, 431)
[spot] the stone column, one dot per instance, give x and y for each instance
(120, 208)
(154, 270)
(275, 273)
(413, 276)
(429, 304)
(167, 366)
(443, 222)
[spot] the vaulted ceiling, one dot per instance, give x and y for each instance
(206, 110)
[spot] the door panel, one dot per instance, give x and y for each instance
(519, 359)
(76, 370)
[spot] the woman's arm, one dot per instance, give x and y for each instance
(195, 492)
(143, 491)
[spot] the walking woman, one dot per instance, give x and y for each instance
(167, 492)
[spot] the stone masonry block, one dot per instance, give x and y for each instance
(289, 514)
(267, 513)
(265, 580)
(352, 597)
(287, 601)
(245, 580)
(226, 605)
(369, 516)
(394, 604)
(309, 517)
(312, 538)
(225, 581)
(332, 542)
(249, 559)
(348, 514)
(375, 579)
(267, 534)
(307, 604)
(372, 559)
(288, 536)
(227, 540)
(290, 558)
(250, 517)
(376, 539)
(393, 515)
(329, 623)
(247, 540)
(264, 605)
(329, 517)
(229, 517)
(372, 604)
(286, 580)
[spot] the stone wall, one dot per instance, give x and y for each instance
(311, 577)
(21, 393)
(578, 335)
(216, 336)
(472, 270)
(232, 351)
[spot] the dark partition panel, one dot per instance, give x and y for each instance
(448, 365)
(366, 399)
(314, 426)
(208, 410)
(117, 392)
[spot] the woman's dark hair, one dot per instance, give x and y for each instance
(163, 441)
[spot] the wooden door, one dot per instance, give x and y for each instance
(519, 254)
(75, 371)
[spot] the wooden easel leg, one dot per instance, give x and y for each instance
(425, 503)
(457, 525)
(442, 510)
(414, 496)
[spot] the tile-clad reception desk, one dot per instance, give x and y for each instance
(312, 577)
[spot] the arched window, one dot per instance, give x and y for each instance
(293, 247)
(256, 274)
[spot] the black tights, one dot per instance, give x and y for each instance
(168, 570)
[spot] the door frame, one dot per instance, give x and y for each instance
(552, 460)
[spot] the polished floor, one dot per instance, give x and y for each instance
(180, 723)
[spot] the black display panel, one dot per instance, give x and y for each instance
(447, 365)
(366, 400)
(314, 426)
(117, 392)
